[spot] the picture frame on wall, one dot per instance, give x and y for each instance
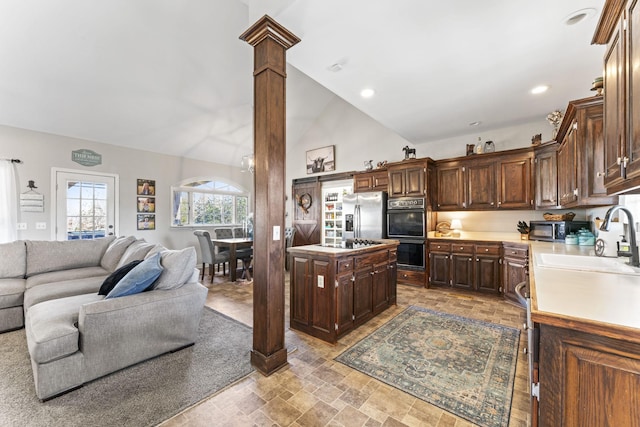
(321, 160)
(146, 222)
(146, 204)
(146, 187)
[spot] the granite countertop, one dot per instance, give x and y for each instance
(584, 300)
(333, 251)
(482, 237)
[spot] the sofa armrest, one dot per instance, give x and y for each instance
(119, 332)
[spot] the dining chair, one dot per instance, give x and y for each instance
(209, 255)
(222, 233)
(289, 233)
(239, 233)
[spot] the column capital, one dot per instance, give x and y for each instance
(266, 27)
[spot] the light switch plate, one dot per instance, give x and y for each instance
(22, 226)
(276, 232)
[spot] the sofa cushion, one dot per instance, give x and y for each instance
(13, 262)
(112, 280)
(114, 252)
(51, 326)
(178, 268)
(139, 279)
(63, 289)
(64, 275)
(136, 251)
(11, 292)
(44, 256)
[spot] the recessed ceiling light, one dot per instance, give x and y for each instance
(579, 16)
(335, 67)
(474, 123)
(539, 89)
(367, 93)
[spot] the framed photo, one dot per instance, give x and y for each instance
(146, 204)
(321, 160)
(146, 222)
(146, 187)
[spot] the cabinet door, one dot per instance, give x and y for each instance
(450, 188)
(392, 281)
(481, 185)
(414, 181)
(515, 184)
(462, 271)
(380, 181)
(439, 268)
(322, 296)
(633, 82)
(362, 294)
(362, 182)
(300, 283)
(379, 283)
(396, 182)
(591, 152)
(514, 273)
(546, 174)
(344, 303)
(488, 273)
(614, 108)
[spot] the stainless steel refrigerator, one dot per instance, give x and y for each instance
(365, 215)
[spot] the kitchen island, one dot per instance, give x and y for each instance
(336, 289)
(585, 342)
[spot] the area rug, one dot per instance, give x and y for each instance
(142, 395)
(461, 365)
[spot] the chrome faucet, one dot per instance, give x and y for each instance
(635, 259)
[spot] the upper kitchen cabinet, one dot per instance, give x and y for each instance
(617, 29)
(502, 180)
(581, 155)
(408, 178)
(377, 180)
(546, 176)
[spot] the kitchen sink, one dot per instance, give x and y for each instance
(584, 263)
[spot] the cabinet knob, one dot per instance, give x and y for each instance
(461, 247)
(600, 174)
(492, 203)
(486, 250)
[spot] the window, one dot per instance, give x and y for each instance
(209, 202)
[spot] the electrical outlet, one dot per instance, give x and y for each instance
(22, 226)
(41, 225)
(321, 281)
(276, 232)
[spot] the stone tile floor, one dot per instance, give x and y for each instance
(314, 390)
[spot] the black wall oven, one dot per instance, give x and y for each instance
(406, 222)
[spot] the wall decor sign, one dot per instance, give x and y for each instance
(146, 204)
(31, 202)
(86, 157)
(321, 159)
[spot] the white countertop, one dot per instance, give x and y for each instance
(583, 295)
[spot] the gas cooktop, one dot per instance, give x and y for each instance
(352, 244)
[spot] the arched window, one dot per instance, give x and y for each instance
(208, 201)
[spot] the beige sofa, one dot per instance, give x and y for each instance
(75, 335)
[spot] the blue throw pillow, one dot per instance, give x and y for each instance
(113, 279)
(138, 279)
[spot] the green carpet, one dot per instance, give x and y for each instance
(461, 365)
(142, 395)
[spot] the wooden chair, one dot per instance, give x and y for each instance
(209, 256)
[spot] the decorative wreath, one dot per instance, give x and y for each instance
(304, 202)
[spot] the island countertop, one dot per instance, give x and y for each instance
(589, 301)
(339, 251)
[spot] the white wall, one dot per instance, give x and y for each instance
(40, 152)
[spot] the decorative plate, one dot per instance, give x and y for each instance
(304, 202)
(443, 228)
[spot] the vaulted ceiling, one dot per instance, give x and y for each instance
(173, 77)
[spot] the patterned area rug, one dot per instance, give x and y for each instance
(461, 365)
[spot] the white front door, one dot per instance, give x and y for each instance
(85, 204)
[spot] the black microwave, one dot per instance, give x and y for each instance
(555, 231)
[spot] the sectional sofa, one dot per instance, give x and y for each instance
(75, 335)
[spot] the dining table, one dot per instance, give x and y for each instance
(233, 244)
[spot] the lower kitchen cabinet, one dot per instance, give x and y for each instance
(465, 264)
(332, 293)
(515, 263)
(587, 379)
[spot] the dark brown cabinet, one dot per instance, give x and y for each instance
(587, 379)
(515, 264)
(501, 180)
(617, 29)
(408, 178)
(333, 293)
(581, 156)
(546, 176)
(465, 264)
(371, 181)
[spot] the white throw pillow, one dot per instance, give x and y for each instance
(178, 267)
(115, 251)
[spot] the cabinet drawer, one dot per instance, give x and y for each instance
(514, 252)
(462, 248)
(412, 277)
(345, 265)
(374, 258)
(439, 247)
(487, 250)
